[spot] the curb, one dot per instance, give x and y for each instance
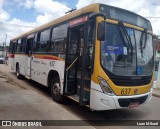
(155, 95)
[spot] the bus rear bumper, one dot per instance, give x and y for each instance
(101, 101)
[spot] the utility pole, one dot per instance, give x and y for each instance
(5, 42)
(4, 46)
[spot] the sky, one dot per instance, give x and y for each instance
(19, 16)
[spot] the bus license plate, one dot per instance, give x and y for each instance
(134, 104)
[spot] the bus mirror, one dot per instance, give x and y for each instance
(101, 31)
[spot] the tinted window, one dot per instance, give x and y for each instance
(45, 36)
(60, 32)
(58, 46)
(59, 39)
(29, 45)
(23, 44)
(14, 46)
(19, 46)
(36, 45)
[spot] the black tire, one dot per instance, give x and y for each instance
(19, 76)
(56, 91)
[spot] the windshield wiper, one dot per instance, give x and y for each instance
(129, 44)
(143, 46)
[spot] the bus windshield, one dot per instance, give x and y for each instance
(127, 54)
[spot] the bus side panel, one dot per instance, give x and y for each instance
(20, 59)
(41, 67)
(11, 61)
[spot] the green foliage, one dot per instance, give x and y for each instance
(156, 36)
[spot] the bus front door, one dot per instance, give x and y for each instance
(75, 67)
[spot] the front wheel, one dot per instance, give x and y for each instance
(19, 76)
(56, 91)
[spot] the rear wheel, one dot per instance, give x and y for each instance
(19, 76)
(56, 90)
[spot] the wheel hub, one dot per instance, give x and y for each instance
(56, 89)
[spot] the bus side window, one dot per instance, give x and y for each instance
(59, 39)
(24, 44)
(19, 45)
(29, 45)
(34, 43)
(14, 47)
(44, 39)
(60, 46)
(36, 46)
(51, 46)
(10, 47)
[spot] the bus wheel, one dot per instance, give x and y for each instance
(19, 76)
(56, 91)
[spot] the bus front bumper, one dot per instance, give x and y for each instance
(101, 101)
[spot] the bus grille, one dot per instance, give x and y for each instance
(120, 82)
(126, 102)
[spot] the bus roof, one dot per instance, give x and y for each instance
(84, 10)
(88, 9)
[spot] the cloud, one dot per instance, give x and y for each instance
(46, 11)
(27, 4)
(13, 28)
(41, 19)
(3, 14)
(49, 10)
(3, 17)
(151, 8)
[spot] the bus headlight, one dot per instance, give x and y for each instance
(106, 89)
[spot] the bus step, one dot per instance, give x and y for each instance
(86, 93)
(28, 77)
(76, 98)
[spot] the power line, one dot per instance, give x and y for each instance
(152, 17)
(18, 25)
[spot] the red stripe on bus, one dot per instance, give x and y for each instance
(11, 55)
(51, 58)
(48, 57)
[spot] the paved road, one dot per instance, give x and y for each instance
(19, 102)
(150, 111)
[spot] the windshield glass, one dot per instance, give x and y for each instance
(122, 54)
(144, 53)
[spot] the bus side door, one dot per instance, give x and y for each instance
(28, 57)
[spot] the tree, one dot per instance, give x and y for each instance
(155, 36)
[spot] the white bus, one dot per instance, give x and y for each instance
(100, 56)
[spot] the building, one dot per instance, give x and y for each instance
(156, 43)
(157, 48)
